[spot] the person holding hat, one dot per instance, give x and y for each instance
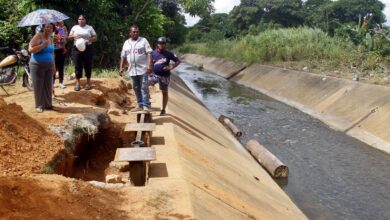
(82, 51)
(162, 67)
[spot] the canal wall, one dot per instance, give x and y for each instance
(358, 109)
(213, 176)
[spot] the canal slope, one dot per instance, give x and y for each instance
(223, 181)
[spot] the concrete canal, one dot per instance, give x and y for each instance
(332, 176)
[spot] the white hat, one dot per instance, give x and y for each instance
(80, 44)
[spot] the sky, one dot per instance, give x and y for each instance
(225, 6)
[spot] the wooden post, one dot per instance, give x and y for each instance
(271, 163)
(227, 122)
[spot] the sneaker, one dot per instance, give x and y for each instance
(137, 109)
(146, 109)
(77, 87)
(62, 86)
(162, 112)
(39, 109)
(87, 87)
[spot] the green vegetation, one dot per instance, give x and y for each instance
(308, 48)
(110, 18)
(343, 38)
(292, 44)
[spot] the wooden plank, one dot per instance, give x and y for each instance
(140, 127)
(135, 154)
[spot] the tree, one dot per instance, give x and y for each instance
(110, 18)
(251, 13)
(350, 11)
(316, 13)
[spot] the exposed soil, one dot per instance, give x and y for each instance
(26, 145)
(56, 197)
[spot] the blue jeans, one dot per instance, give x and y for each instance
(141, 89)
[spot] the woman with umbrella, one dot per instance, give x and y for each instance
(42, 48)
(42, 67)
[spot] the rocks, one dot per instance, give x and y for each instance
(113, 112)
(107, 185)
(121, 166)
(113, 179)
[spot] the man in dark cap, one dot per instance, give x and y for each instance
(162, 67)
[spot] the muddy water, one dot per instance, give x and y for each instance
(332, 176)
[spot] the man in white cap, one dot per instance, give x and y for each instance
(136, 51)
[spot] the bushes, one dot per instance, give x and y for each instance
(293, 44)
(305, 47)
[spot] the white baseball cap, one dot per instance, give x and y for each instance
(80, 44)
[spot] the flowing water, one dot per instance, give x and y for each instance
(332, 176)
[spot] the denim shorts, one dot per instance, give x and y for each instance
(163, 81)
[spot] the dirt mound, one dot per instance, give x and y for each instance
(56, 197)
(26, 145)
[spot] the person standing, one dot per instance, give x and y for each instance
(136, 52)
(42, 67)
(82, 58)
(60, 36)
(162, 67)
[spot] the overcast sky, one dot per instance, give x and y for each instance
(225, 6)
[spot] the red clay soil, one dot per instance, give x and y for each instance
(26, 145)
(56, 197)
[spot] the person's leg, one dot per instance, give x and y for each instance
(78, 66)
(145, 91)
(60, 62)
(136, 81)
(37, 78)
(164, 100)
(47, 88)
(164, 84)
(88, 56)
(57, 54)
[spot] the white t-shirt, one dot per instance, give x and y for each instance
(135, 53)
(85, 32)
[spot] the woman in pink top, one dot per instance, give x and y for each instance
(60, 36)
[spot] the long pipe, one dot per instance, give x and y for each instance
(228, 123)
(269, 161)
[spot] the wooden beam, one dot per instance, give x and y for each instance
(135, 154)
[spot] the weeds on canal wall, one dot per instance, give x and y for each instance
(303, 49)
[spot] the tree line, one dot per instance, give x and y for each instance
(110, 18)
(357, 20)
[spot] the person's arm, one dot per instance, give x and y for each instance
(150, 64)
(122, 64)
(176, 60)
(123, 61)
(35, 44)
(149, 51)
(93, 36)
(72, 36)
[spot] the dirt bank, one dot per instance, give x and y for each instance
(26, 144)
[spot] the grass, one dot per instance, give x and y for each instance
(96, 72)
(299, 48)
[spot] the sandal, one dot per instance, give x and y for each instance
(39, 109)
(87, 87)
(77, 87)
